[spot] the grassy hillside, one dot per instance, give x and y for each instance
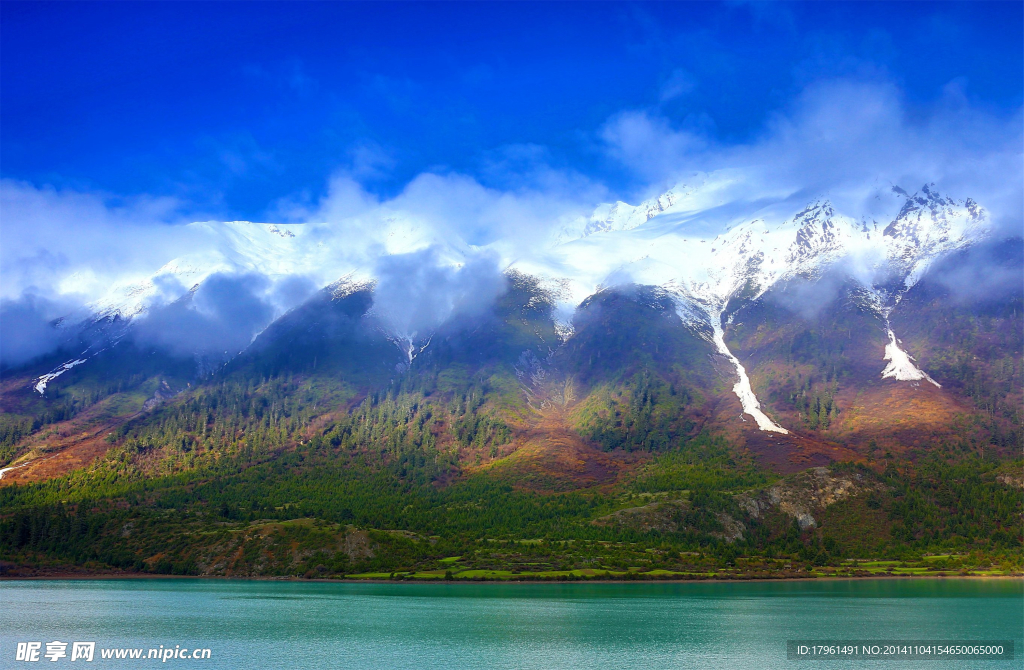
(501, 452)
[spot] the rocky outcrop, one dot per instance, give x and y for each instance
(1012, 480)
(805, 494)
(163, 394)
(732, 529)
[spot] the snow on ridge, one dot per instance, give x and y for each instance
(658, 242)
(40, 385)
(700, 192)
(665, 241)
(754, 254)
(349, 284)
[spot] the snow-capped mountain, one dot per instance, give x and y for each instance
(757, 253)
(663, 242)
(231, 246)
(657, 242)
(320, 251)
(759, 250)
(621, 215)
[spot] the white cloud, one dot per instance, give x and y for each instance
(843, 138)
(50, 235)
(418, 291)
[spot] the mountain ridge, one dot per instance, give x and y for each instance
(619, 448)
(744, 263)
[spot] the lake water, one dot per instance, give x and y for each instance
(254, 624)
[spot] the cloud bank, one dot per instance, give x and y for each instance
(844, 139)
(438, 247)
(51, 236)
(416, 292)
(30, 327)
(220, 317)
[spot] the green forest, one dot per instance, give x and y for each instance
(502, 452)
(248, 479)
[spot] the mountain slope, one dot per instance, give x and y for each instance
(797, 382)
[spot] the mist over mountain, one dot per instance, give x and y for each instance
(112, 255)
(780, 334)
(803, 259)
(788, 324)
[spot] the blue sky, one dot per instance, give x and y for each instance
(230, 109)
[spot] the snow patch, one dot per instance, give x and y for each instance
(408, 347)
(4, 471)
(41, 383)
(742, 388)
(901, 364)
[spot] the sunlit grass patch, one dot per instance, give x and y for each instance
(370, 575)
(484, 574)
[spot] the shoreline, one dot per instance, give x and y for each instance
(70, 576)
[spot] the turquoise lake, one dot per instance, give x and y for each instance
(258, 624)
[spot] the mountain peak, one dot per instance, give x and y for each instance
(818, 233)
(929, 224)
